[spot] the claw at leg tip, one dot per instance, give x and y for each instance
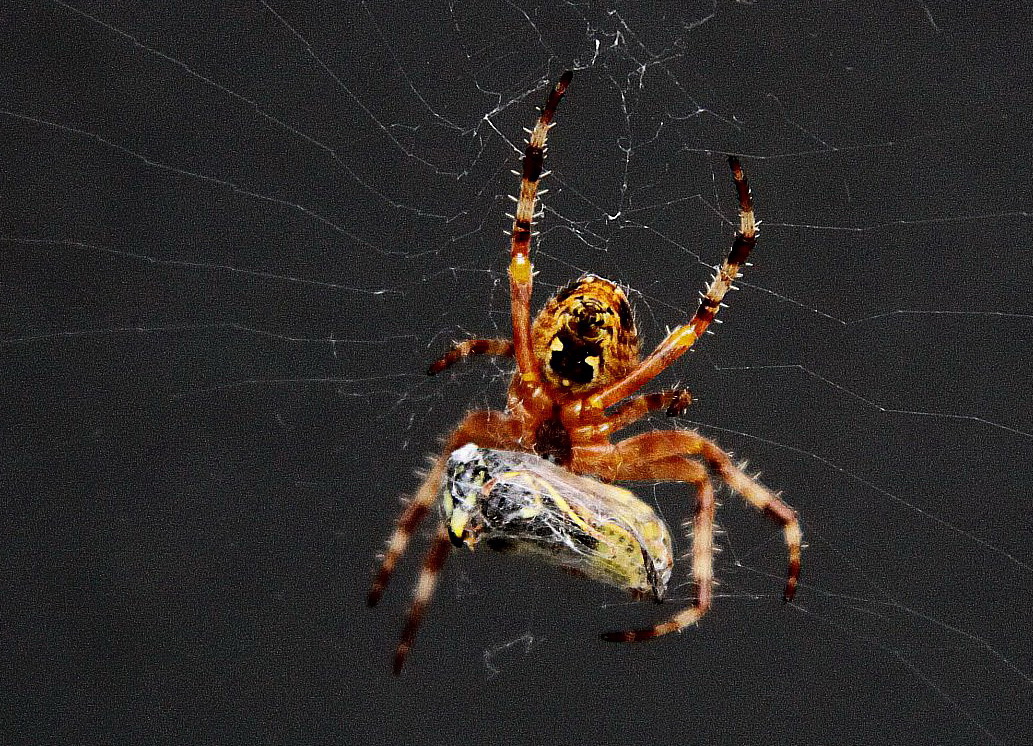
(789, 593)
(373, 597)
(399, 663)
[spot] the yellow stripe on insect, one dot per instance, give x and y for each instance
(534, 486)
(539, 486)
(574, 516)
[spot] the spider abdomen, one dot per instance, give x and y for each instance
(585, 336)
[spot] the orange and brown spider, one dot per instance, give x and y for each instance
(578, 363)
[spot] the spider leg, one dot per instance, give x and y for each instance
(486, 429)
(415, 511)
(424, 591)
(675, 401)
(520, 268)
(468, 347)
(680, 469)
(656, 446)
(683, 337)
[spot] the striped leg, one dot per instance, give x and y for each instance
(679, 469)
(468, 347)
(520, 269)
(422, 594)
(486, 429)
(674, 401)
(415, 511)
(683, 337)
(660, 446)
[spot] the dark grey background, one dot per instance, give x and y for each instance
(234, 235)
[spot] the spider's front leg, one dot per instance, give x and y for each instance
(665, 443)
(679, 469)
(650, 456)
(484, 429)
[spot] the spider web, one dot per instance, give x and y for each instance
(233, 237)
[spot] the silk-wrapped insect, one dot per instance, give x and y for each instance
(517, 502)
(510, 501)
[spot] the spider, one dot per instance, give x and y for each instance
(579, 367)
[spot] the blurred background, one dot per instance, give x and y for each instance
(233, 236)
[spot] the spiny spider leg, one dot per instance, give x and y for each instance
(520, 268)
(422, 594)
(674, 401)
(681, 469)
(468, 347)
(646, 457)
(488, 429)
(683, 337)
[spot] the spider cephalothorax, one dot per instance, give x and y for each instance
(543, 487)
(585, 337)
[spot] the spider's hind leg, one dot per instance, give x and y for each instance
(683, 337)
(680, 469)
